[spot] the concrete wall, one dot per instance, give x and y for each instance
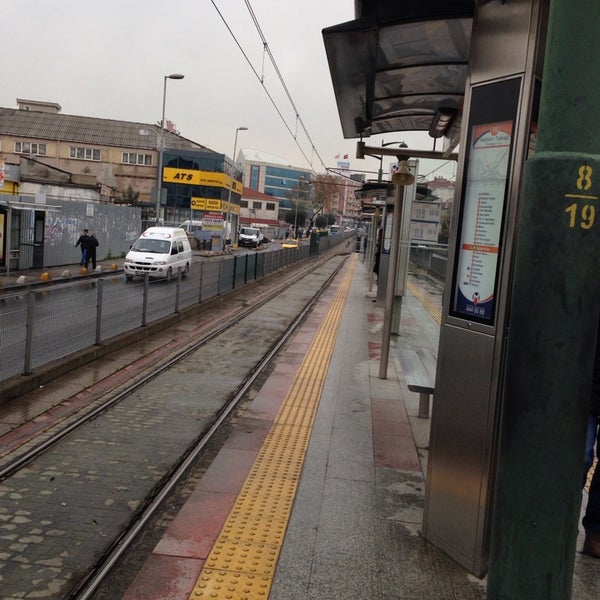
(116, 227)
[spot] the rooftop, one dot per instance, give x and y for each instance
(263, 157)
(37, 125)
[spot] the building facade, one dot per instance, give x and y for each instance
(201, 183)
(118, 154)
(262, 211)
(274, 176)
(48, 156)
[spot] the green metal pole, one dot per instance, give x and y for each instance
(555, 300)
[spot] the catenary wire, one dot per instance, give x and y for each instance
(261, 79)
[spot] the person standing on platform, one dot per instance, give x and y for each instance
(82, 241)
(591, 520)
(92, 244)
(377, 258)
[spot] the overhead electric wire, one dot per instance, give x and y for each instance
(299, 119)
(437, 169)
(283, 84)
(261, 79)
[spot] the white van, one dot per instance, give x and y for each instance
(191, 226)
(159, 252)
(249, 236)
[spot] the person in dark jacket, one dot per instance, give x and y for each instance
(591, 520)
(82, 241)
(377, 260)
(92, 244)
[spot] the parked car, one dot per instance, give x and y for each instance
(250, 236)
(159, 252)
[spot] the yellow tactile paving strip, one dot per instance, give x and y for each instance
(430, 307)
(241, 564)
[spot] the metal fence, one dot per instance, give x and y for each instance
(38, 326)
(433, 259)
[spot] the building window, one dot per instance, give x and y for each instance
(131, 158)
(84, 153)
(254, 176)
(270, 205)
(244, 203)
(30, 148)
(257, 205)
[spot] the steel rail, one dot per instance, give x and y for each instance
(121, 544)
(14, 465)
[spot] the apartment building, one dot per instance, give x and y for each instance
(274, 176)
(262, 211)
(112, 155)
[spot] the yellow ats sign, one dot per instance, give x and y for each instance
(209, 178)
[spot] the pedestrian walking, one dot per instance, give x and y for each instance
(591, 520)
(82, 241)
(92, 244)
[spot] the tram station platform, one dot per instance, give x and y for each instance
(318, 493)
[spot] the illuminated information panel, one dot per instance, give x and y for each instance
(482, 222)
(490, 142)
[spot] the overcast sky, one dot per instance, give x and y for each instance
(108, 60)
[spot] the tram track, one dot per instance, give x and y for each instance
(8, 469)
(192, 329)
(30, 479)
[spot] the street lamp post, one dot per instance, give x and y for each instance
(161, 143)
(228, 221)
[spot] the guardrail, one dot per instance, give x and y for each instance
(433, 259)
(40, 325)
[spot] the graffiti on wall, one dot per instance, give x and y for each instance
(61, 230)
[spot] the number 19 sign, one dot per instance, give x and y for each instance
(582, 211)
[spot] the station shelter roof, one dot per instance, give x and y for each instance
(401, 66)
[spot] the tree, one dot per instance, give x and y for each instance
(326, 191)
(299, 198)
(325, 220)
(128, 197)
(321, 221)
(290, 216)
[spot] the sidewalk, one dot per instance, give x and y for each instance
(28, 278)
(355, 527)
(360, 501)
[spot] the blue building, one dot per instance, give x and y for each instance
(274, 176)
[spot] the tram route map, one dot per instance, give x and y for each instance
(482, 219)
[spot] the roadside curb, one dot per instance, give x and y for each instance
(29, 282)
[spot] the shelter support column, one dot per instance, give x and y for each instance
(555, 301)
(401, 178)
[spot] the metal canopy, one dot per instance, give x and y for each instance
(17, 205)
(400, 67)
